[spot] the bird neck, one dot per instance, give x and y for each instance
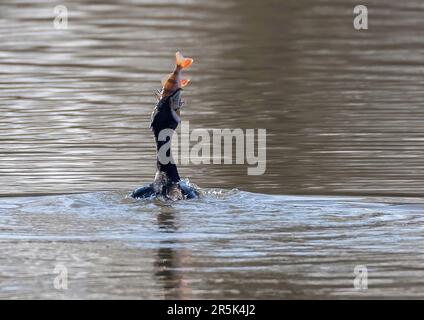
(165, 164)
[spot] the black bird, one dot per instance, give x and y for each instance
(167, 182)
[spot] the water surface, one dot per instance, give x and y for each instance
(343, 111)
(232, 244)
(342, 108)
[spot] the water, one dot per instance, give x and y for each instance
(343, 113)
(229, 244)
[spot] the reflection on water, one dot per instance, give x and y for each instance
(343, 113)
(226, 245)
(169, 261)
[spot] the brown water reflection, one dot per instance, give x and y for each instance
(169, 260)
(342, 108)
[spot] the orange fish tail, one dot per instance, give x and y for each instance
(181, 62)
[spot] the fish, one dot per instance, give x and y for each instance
(174, 80)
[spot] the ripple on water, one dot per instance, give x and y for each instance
(278, 246)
